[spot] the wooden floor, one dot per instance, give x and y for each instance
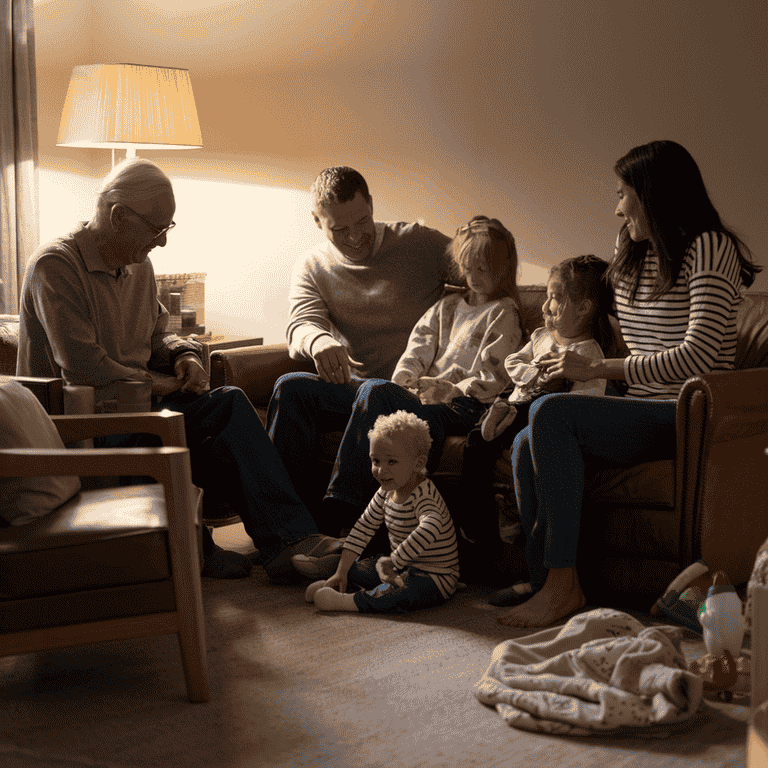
(295, 687)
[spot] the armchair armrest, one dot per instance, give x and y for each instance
(169, 425)
(722, 430)
(254, 369)
(168, 465)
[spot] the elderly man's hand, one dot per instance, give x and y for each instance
(163, 385)
(190, 372)
(333, 364)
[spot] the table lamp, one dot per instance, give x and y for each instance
(129, 106)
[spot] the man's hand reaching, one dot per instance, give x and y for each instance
(334, 364)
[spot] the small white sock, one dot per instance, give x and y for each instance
(327, 599)
(309, 594)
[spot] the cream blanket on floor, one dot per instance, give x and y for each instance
(601, 672)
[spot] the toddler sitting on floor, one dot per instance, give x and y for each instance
(422, 570)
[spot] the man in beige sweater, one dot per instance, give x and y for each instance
(354, 300)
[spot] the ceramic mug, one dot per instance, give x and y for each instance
(134, 396)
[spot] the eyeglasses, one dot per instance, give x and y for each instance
(159, 232)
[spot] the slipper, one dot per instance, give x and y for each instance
(518, 593)
(316, 567)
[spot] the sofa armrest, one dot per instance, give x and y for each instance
(254, 369)
(722, 431)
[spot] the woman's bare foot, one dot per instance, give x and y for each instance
(560, 596)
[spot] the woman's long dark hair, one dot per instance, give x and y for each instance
(671, 190)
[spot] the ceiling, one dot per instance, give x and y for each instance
(235, 36)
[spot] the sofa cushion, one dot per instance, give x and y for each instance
(25, 424)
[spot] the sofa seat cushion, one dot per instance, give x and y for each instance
(623, 531)
(642, 486)
(107, 537)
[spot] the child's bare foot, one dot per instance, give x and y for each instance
(498, 417)
(560, 596)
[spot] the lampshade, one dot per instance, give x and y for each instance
(132, 106)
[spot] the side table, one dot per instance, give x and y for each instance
(226, 342)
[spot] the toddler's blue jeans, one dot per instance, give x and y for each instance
(418, 592)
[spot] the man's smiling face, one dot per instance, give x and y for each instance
(349, 226)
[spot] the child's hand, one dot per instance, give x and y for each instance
(338, 582)
(386, 570)
(433, 391)
(405, 379)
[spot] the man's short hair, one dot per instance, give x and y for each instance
(132, 181)
(403, 424)
(337, 185)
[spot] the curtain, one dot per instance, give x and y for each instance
(19, 218)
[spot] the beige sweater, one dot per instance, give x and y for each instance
(370, 306)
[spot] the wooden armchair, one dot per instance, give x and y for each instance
(112, 563)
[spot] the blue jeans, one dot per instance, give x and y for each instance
(418, 592)
(302, 407)
(231, 453)
(303, 404)
(564, 434)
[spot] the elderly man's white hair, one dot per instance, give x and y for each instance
(134, 180)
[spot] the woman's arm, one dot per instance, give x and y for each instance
(571, 365)
(698, 341)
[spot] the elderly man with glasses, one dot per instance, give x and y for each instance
(90, 314)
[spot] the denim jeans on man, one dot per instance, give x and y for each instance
(232, 455)
(303, 405)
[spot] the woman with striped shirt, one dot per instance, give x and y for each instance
(677, 276)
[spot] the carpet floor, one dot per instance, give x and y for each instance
(291, 686)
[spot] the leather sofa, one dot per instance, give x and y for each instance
(642, 524)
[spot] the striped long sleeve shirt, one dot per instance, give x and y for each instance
(421, 533)
(688, 331)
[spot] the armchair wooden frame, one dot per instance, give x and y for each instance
(170, 466)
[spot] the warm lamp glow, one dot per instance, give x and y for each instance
(130, 106)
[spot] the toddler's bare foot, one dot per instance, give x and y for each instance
(560, 596)
(499, 416)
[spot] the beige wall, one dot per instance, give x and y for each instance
(449, 108)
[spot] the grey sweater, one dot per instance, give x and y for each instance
(90, 325)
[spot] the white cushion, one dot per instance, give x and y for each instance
(25, 424)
